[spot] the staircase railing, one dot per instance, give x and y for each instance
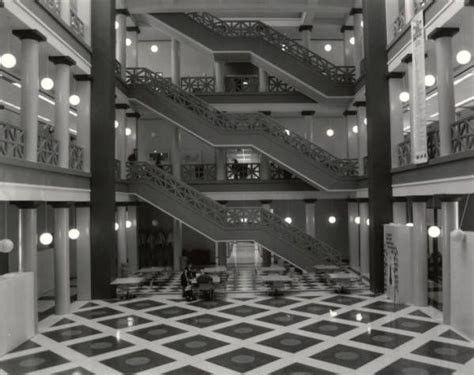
(255, 123)
(257, 29)
(11, 141)
(462, 135)
(233, 218)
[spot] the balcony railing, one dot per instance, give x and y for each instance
(76, 157)
(76, 24)
(11, 141)
(198, 85)
(462, 135)
(243, 171)
(198, 172)
(243, 83)
(118, 69)
(52, 6)
(277, 85)
(48, 150)
(279, 173)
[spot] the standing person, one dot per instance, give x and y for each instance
(133, 156)
(235, 168)
(186, 283)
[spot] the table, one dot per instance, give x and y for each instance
(342, 279)
(276, 282)
(127, 282)
(216, 269)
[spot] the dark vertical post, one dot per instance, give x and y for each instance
(102, 233)
(378, 136)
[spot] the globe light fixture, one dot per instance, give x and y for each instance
(367, 222)
(329, 132)
(328, 47)
(117, 25)
(128, 224)
(434, 231)
(365, 120)
(331, 219)
(361, 23)
(357, 220)
(352, 40)
(8, 60)
(128, 42)
(117, 226)
(128, 132)
(47, 83)
(409, 224)
(430, 80)
(154, 223)
(74, 100)
(46, 238)
(463, 57)
(404, 96)
(74, 233)
(288, 220)
(116, 124)
(154, 48)
(355, 129)
(6, 245)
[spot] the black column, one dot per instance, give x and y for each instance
(102, 233)
(378, 136)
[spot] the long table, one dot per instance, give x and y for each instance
(276, 282)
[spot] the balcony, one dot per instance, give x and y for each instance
(54, 8)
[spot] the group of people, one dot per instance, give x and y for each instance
(187, 278)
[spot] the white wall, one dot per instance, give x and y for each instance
(336, 55)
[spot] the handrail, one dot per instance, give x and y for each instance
(255, 123)
(198, 85)
(462, 135)
(233, 218)
(257, 29)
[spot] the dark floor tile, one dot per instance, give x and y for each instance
(446, 352)
(408, 367)
(25, 346)
(63, 322)
(420, 314)
(450, 334)
(385, 306)
(143, 304)
(100, 346)
(243, 330)
(137, 361)
(210, 304)
(101, 312)
(316, 308)
(74, 371)
(412, 325)
(243, 310)
(124, 321)
(289, 342)
(347, 356)
(384, 339)
(187, 370)
(202, 321)
(328, 328)
(278, 302)
(343, 300)
(195, 344)
(283, 319)
(89, 305)
(32, 362)
(171, 312)
(360, 316)
(71, 333)
(157, 332)
(300, 369)
(242, 360)
(244, 298)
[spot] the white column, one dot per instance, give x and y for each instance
(359, 39)
(132, 49)
(308, 117)
(262, 80)
(175, 62)
(265, 172)
(221, 164)
(83, 254)
(219, 74)
(121, 240)
(177, 225)
(353, 227)
(395, 86)
(132, 122)
(61, 261)
(121, 138)
(30, 40)
(362, 134)
(352, 134)
(310, 216)
(409, 10)
(266, 254)
(399, 212)
(364, 238)
(348, 33)
(65, 11)
(132, 244)
(420, 254)
(120, 39)
(305, 31)
(84, 119)
(444, 72)
(449, 222)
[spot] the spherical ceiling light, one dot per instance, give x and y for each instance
(154, 223)
(128, 42)
(352, 40)
(128, 132)
(329, 132)
(74, 233)
(8, 60)
(128, 224)
(154, 48)
(328, 47)
(355, 129)
(434, 231)
(365, 120)
(367, 221)
(288, 220)
(46, 238)
(117, 25)
(357, 220)
(74, 100)
(116, 124)
(47, 83)
(463, 57)
(430, 80)
(6, 245)
(331, 219)
(404, 96)
(116, 226)
(361, 23)
(409, 224)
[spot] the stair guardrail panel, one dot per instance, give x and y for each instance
(198, 172)
(11, 141)
(199, 85)
(76, 157)
(254, 123)
(48, 150)
(252, 218)
(462, 135)
(257, 29)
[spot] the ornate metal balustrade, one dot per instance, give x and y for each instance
(366, 160)
(404, 153)
(433, 143)
(232, 218)
(257, 29)
(76, 157)
(241, 83)
(198, 85)
(198, 172)
(277, 85)
(255, 123)
(399, 22)
(279, 173)
(404, 148)
(48, 150)
(11, 141)
(462, 135)
(243, 171)
(76, 24)
(52, 6)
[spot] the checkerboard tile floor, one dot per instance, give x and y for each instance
(310, 332)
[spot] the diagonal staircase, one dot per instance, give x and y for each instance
(305, 159)
(221, 223)
(265, 47)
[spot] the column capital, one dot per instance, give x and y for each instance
(121, 106)
(29, 34)
(127, 204)
(355, 11)
(420, 198)
(346, 28)
(83, 77)
(133, 115)
(349, 113)
(123, 11)
(82, 204)
(133, 29)
(407, 59)
(395, 75)
(309, 201)
(222, 202)
(25, 204)
(266, 113)
(449, 198)
(352, 200)
(399, 199)
(305, 28)
(308, 113)
(359, 104)
(266, 201)
(362, 200)
(61, 204)
(62, 60)
(441, 32)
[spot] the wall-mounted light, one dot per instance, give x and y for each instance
(330, 132)
(331, 219)
(355, 129)
(117, 25)
(352, 40)
(463, 57)
(128, 132)
(116, 124)
(409, 224)
(74, 233)
(154, 48)
(357, 220)
(47, 83)
(404, 96)
(434, 231)
(46, 238)
(128, 42)
(128, 224)
(328, 47)
(74, 100)
(116, 226)
(8, 60)
(367, 222)
(430, 80)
